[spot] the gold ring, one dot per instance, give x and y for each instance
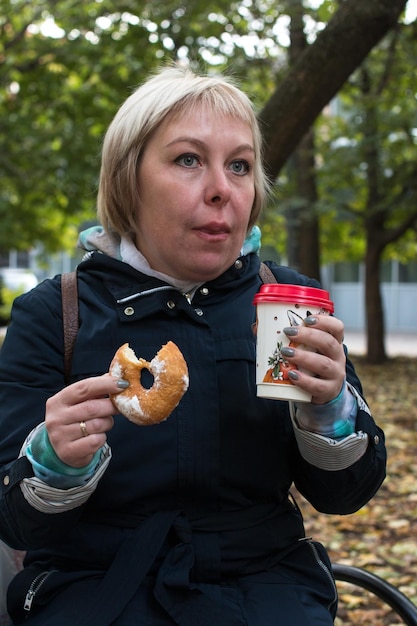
(83, 428)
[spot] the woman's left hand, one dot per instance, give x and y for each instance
(324, 359)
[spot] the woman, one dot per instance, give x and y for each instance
(188, 522)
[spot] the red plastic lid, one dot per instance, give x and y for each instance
(294, 294)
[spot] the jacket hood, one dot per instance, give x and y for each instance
(96, 239)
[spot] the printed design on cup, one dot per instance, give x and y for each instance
(278, 365)
(276, 304)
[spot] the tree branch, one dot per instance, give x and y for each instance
(320, 72)
(393, 234)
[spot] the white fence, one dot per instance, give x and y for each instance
(399, 301)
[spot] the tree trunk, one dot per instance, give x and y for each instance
(374, 223)
(375, 326)
(309, 246)
(303, 248)
(302, 223)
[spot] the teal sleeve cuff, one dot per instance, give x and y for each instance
(335, 419)
(49, 468)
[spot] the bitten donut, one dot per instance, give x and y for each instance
(149, 406)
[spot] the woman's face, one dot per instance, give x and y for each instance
(196, 189)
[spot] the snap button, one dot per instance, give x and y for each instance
(376, 440)
(129, 310)
(204, 291)
(171, 304)
(199, 312)
(238, 264)
(6, 480)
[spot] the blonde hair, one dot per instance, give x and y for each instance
(174, 91)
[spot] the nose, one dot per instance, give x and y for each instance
(218, 189)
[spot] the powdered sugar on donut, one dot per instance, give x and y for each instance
(129, 406)
(157, 367)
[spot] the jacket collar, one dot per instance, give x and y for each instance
(128, 285)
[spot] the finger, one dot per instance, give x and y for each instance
(88, 420)
(83, 393)
(327, 323)
(76, 443)
(90, 427)
(317, 374)
(79, 421)
(80, 452)
(320, 365)
(94, 387)
(321, 390)
(316, 339)
(65, 422)
(316, 364)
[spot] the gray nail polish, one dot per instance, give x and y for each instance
(123, 384)
(287, 352)
(290, 331)
(310, 320)
(293, 374)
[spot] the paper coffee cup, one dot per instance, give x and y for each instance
(279, 306)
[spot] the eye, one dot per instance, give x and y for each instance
(188, 160)
(240, 167)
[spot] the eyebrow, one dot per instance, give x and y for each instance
(202, 144)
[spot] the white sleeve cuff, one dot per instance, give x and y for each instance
(327, 453)
(48, 499)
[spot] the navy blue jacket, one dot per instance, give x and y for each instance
(224, 459)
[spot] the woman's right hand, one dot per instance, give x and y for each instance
(78, 417)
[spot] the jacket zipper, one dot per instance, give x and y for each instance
(36, 584)
(147, 292)
(326, 571)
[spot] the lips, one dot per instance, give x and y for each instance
(213, 231)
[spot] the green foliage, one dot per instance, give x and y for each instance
(366, 157)
(7, 297)
(367, 150)
(274, 235)
(65, 68)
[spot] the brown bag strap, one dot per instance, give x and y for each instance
(70, 322)
(266, 274)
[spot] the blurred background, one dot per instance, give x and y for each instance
(335, 89)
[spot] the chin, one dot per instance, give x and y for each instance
(210, 272)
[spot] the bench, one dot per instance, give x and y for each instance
(399, 603)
